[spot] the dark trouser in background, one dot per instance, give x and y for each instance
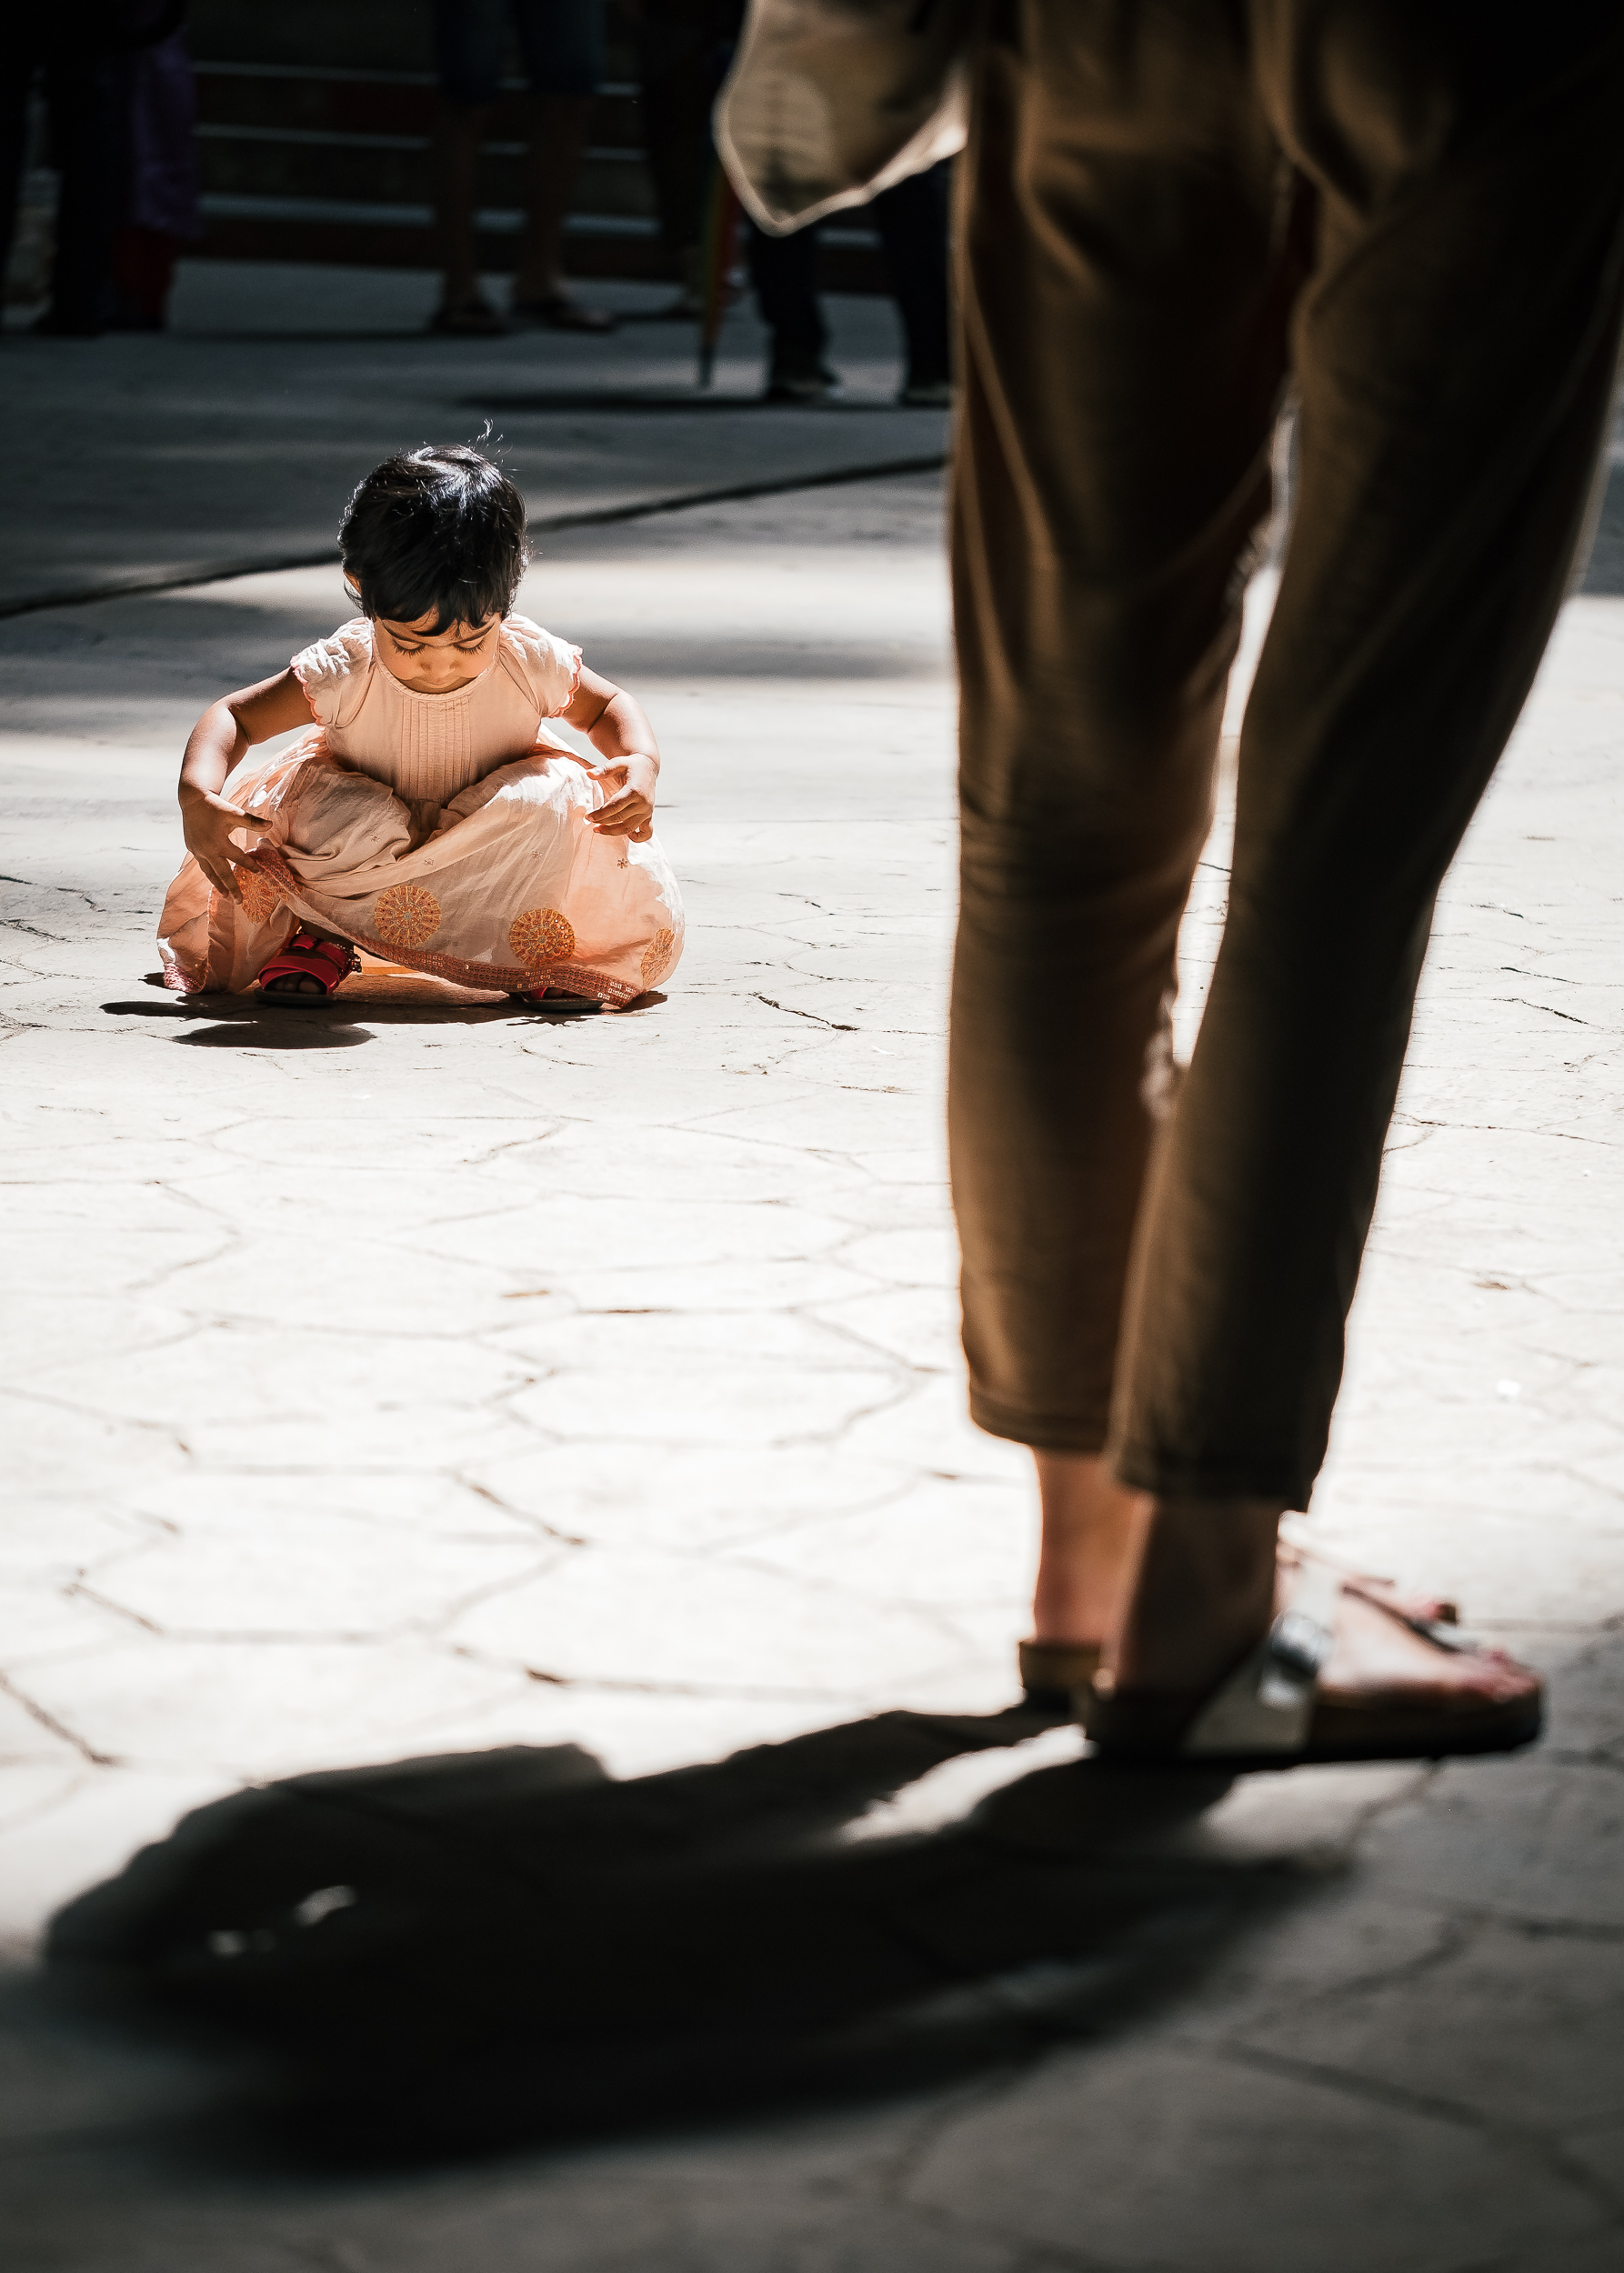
(684, 48)
(912, 222)
(86, 90)
(1163, 208)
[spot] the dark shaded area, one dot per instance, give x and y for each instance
(1605, 570)
(642, 402)
(483, 1950)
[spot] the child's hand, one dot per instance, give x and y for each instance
(206, 822)
(629, 787)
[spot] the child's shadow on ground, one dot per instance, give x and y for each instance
(493, 1949)
(250, 1022)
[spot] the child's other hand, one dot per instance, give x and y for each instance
(628, 791)
(207, 823)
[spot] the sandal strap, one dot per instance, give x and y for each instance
(303, 951)
(1268, 1702)
(1057, 1668)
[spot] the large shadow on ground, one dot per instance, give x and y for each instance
(488, 1950)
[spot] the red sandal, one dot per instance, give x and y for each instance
(556, 998)
(329, 961)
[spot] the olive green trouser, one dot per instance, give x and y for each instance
(1166, 211)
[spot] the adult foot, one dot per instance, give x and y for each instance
(559, 312)
(806, 384)
(1373, 1686)
(467, 319)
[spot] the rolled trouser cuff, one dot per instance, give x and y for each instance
(1167, 1476)
(1042, 1432)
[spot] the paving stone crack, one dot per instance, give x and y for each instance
(57, 1728)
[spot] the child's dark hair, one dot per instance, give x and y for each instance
(440, 528)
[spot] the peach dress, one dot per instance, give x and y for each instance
(447, 833)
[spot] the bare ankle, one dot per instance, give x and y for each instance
(1089, 1536)
(1202, 1594)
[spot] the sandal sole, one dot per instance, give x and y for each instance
(1465, 1736)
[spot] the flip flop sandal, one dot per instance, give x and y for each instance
(1268, 1713)
(1051, 1672)
(329, 961)
(1385, 1592)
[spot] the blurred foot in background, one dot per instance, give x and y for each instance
(912, 222)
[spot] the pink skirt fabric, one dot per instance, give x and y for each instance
(506, 887)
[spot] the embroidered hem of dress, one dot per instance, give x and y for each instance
(507, 978)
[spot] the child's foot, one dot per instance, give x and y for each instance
(554, 998)
(308, 964)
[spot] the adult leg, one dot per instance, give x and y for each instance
(912, 221)
(1127, 254)
(470, 40)
(87, 94)
(23, 49)
(1456, 354)
(683, 55)
(679, 85)
(784, 271)
(562, 42)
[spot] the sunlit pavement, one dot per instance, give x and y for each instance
(416, 1377)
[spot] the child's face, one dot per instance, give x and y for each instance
(436, 663)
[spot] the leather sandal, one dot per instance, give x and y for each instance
(329, 961)
(1267, 1712)
(1052, 1672)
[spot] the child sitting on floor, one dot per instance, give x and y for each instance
(429, 815)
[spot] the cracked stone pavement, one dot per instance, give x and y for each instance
(419, 1377)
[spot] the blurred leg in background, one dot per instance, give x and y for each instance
(912, 221)
(162, 214)
(84, 84)
(561, 45)
(684, 49)
(784, 271)
(912, 224)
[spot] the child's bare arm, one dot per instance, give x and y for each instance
(614, 723)
(226, 731)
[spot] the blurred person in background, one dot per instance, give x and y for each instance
(684, 50)
(912, 222)
(561, 45)
(162, 212)
(117, 86)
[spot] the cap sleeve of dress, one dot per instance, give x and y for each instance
(333, 672)
(550, 667)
